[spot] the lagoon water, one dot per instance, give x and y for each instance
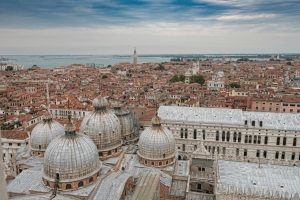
(51, 61)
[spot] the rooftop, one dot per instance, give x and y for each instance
(224, 116)
(266, 178)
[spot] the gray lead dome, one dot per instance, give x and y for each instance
(43, 133)
(104, 128)
(72, 159)
(156, 144)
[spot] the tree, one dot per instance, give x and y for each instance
(9, 68)
(197, 79)
(174, 79)
(104, 76)
(177, 78)
(234, 85)
(181, 77)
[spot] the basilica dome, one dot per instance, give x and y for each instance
(71, 161)
(43, 133)
(104, 128)
(156, 145)
(127, 123)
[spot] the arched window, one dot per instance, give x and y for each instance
(295, 142)
(186, 133)
(160, 163)
(266, 139)
(80, 184)
(223, 135)
(240, 137)
(179, 157)
(91, 179)
(68, 186)
(250, 138)
(195, 134)
(246, 138)
(217, 136)
(228, 136)
(234, 137)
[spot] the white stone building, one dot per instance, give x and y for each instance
(233, 134)
(63, 113)
(217, 81)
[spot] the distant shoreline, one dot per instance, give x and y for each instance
(52, 61)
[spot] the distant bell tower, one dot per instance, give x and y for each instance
(134, 57)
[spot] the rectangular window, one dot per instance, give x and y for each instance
(203, 134)
(217, 135)
(250, 138)
(283, 155)
(276, 155)
(259, 139)
(239, 137)
(284, 141)
(237, 152)
(183, 147)
(246, 139)
(294, 142)
(255, 139)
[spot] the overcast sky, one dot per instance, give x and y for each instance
(152, 26)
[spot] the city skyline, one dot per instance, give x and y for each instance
(153, 27)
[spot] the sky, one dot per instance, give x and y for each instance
(42, 27)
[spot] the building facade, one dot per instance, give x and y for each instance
(233, 134)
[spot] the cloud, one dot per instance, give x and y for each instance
(247, 17)
(93, 25)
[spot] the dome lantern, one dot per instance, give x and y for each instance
(100, 103)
